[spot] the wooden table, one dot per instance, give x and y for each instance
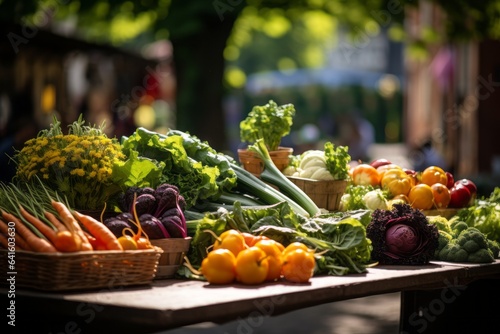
(431, 297)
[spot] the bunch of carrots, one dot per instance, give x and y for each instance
(44, 223)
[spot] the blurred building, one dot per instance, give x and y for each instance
(452, 97)
(44, 74)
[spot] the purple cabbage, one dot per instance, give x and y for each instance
(402, 236)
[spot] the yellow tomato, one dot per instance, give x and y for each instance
(219, 266)
(274, 257)
(298, 266)
(382, 169)
(396, 181)
(252, 266)
(432, 175)
(232, 240)
(421, 197)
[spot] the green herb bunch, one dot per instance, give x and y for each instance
(77, 165)
(269, 122)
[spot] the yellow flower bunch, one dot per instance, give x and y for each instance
(78, 165)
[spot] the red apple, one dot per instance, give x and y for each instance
(468, 184)
(471, 186)
(380, 162)
(410, 172)
(451, 180)
(460, 196)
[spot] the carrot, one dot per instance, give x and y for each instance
(5, 243)
(20, 242)
(71, 223)
(96, 245)
(45, 229)
(99, 231)
(36, 243)
(55, 221)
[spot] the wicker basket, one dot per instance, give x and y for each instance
(325, 194)
(81, 270)
(174, 250)
(252, 162)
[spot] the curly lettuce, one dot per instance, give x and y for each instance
(197, 179)
(337, 161)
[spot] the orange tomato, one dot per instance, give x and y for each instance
(296, 245)
(298, 265)
(442, 195)
(251, 239)
(421, 197)
(232, 240)
(252, 266)
(432, 175)
(218, 266)
(364, 174)
(275, 258)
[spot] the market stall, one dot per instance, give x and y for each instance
(159, 230)
(171, 303)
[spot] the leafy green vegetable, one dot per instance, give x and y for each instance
(137, 171)
(195, 180)
(269, 122)
(343, 244)
(337, 161)
(484, 215)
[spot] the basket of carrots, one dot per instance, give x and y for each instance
(53, 248)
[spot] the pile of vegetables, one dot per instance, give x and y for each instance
(208, 179)
(339, 240)
(459, 242)
(402, 236)
(330, 164)
(249, 259)
(432, 188)
(38, 220)
(160, 212)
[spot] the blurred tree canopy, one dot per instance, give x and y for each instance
(208, 36)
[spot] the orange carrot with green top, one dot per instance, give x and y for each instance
(45, 229)
(55, 221)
